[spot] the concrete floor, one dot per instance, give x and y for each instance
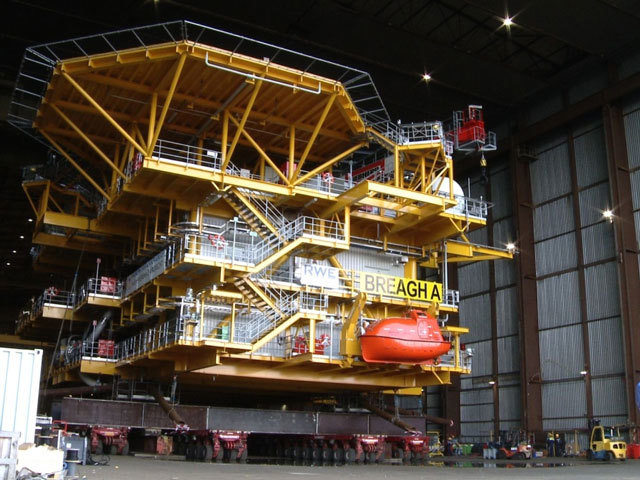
(143, 468)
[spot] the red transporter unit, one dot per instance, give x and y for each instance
(413, 340)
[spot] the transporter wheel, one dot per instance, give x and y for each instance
(327, 454)
(589, 454)
(610, 456)
(201, 453)
(338, 455)
(397, 452)
(349, 455)
(316, 454)
(306, 453)
(296, 452)
(125, 449)
(100, 448)
(220, 456)
(242, 458)
(233, 455)
(208, 456)
(371, 457)
(191, 452)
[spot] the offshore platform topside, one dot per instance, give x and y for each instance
(239, 216)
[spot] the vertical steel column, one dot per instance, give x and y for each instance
(527, 295)
(581, 280)
(450, 400)
(627, 249)
(494, 323)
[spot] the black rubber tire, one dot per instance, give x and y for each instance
(589, 454)
(99, 448)
(306, 453)
(296, 452)
(349, 456)
(233, 455)
(397, 452)
(611, 456)
(316, 454)
(327, 455)
(518, 456)
(371, 457)
(338, 455)
(220, 456)
(191, 452)
(243, 456)
(125, 449)
(201, 452)
(209, 452)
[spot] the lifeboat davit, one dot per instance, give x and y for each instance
(414, 340)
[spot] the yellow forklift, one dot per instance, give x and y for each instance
(606, 443)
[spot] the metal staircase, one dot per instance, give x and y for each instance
(255, 210)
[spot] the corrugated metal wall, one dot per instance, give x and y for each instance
(631, 113)
(559, 269)
(366, 260)
(570, 281)
(476, 311)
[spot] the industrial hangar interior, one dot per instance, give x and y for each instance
(219, 200)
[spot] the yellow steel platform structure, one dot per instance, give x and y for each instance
(208, 167)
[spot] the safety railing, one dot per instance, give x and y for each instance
(471, 207)
(451, 299)
(465, 358)
(147, 272)
(103, 287)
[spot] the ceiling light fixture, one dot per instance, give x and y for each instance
(492, 382)
(21, 237)
(608, 215)
(14, 251)
(8, 264)
(511, 247)
(426, 77)
(507, 21)
(583, 372)
(30, 220)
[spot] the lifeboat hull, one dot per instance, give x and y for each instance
(414, 340)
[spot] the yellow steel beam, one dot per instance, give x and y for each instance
(214, 105)
(315, 133)
(25, 187)
(75, 165)
(152, 117)
(102, 111)
(79, 131)
(329, 163)
(292, 151)
(240, 126)
(260, 151)
(275, 332)
(350, 197)
(305, 376)
(167, 102)
(349, 344)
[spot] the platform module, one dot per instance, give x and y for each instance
(242, 212)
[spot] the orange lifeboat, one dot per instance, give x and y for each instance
(413, 340)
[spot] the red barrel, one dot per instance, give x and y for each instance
(633, 450)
